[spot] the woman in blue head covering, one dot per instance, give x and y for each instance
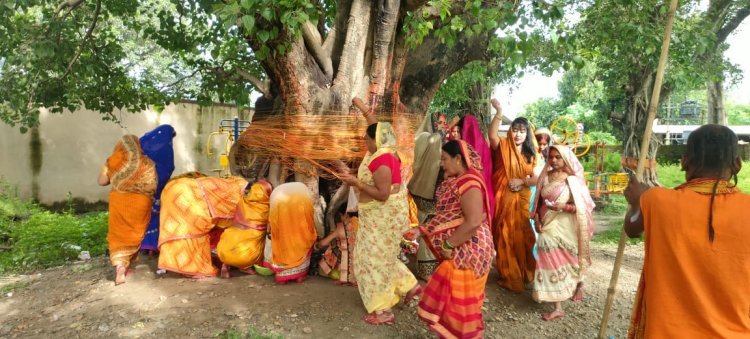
(157, 145)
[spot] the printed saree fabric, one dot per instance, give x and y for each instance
(712, 298)
(451, 304)
(292, 231)
(563, 245)
(133, 179)
(241, 245)
(338, 259)
(511, 225)
(191, 208)
(381, 277)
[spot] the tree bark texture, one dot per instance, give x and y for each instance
(363, 55)
(715, 103)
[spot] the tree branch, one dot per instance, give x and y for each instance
(86, 37)
(261, 85)
(385, 29)
(353, 52)
(733, 23)
(313, 41)
(334, 41)
(70, 4)
(412, 5)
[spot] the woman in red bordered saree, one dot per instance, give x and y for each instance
(460, 237)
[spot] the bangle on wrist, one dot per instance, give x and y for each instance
(447, 246)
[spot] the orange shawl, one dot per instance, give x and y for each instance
(691, 287)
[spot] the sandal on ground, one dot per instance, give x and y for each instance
(553, 315)
(120, 272)
(415, 292)
(384, 318)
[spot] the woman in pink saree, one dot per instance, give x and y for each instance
(563, 212)
(472, 134)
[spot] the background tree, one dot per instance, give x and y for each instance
(721, 19)
(623, 39)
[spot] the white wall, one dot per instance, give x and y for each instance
(75, 146)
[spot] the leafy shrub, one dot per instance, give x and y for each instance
(48, 239)
(611, 162)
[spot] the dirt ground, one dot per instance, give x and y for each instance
(80, 301)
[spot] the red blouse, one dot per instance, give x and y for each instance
(392, 162)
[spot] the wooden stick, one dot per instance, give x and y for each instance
(641, 160)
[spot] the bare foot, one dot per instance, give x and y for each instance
(556, 314)
(225, 272)
(578, 295)
(120, 272)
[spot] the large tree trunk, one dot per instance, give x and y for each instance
(715, 103)
(634, 123)
(364, 55)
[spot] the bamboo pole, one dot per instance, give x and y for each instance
(653, 104)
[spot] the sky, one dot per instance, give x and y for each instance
(532, 87)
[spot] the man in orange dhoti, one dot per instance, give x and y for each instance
(514, 160)
(696, 269)
(133, 178)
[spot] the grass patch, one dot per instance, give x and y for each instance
(672, 176)
(12, 287)
(251, 333)
(612, 237)
(613, 204)
(33, 238)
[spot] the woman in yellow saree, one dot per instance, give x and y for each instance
(133, 178)
(382, 278)
(190, 209)
(241, 245)
(514, 161)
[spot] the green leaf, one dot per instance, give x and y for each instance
(248, 22)
(267, 13)
(263, 35)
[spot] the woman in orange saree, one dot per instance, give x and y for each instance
(241, 245)
(190, 209)
(514, 162)
(133, 179)
(292, 232)
(460, 236)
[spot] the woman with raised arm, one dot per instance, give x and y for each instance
(515, 157)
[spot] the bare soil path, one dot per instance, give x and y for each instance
(80, 301)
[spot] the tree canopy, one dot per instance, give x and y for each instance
(107, 54)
